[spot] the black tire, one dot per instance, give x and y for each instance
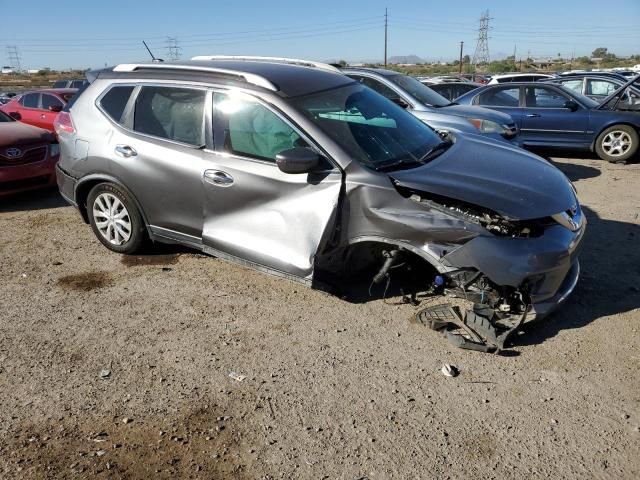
(620, 132)
(137, 234)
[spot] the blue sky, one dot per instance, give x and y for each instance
(66, 34)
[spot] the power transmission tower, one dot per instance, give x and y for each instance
(386, 23)
(173, 50)
(481, 55)
(14, 57)
(461, 45)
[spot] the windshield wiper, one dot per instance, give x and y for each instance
(431, 154)
(403, 162)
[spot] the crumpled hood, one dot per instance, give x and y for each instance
(506, 179)
(477, 112)
(17, 133)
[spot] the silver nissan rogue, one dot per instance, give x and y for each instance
(293, 168)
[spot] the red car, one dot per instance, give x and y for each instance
(28, 156)
(39, 108)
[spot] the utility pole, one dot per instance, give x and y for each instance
(481, 55)
(386, 23)
(173, 50)
(14, 58)
(461, 45)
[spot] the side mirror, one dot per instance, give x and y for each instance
(571, 105)
(55, 108)
(15, 115)
(297, 160)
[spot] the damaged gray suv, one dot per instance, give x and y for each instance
(294, 168)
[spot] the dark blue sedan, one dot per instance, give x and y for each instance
(550, 115)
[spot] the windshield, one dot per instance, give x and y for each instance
(419, 91)
(5, 118)
(371, 129)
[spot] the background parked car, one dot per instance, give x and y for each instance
(76, 83)
(598, 87)
(28, 156)
(550, 115)
(39, 108)
(452, 90)
(518, 77)
(432, 108)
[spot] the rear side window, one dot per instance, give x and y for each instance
(252, 130)
(172, 113)
(500, 97)
(59, 84)
(379, 87)
(50, 101)
(77, 83)
(115, 101)
(30, 100)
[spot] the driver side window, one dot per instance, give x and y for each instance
(251, 129)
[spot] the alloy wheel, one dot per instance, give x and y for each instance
(616, 143)
(112, 219)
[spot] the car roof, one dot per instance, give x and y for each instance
(290, 80)
(57, 90)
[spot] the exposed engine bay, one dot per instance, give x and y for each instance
(492, 221)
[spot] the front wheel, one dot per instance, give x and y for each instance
(617, 143)
(115, 219)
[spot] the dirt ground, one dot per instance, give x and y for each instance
(332, 389)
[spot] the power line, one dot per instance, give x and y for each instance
(481, 55)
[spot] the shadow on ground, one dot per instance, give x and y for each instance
(33, 200)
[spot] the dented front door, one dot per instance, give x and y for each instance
(253, 212)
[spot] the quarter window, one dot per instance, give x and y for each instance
(115, 101)
(172, 113)
(30, 100)
(50, 101)
(537, 97)
(251, 129)
(500, 97)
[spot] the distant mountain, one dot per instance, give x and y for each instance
(405, 59)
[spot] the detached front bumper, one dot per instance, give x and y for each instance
(548, 265)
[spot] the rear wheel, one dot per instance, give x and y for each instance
(617, 143)
(115, 219)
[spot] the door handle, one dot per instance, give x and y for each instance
(218, 178)
(533, 115)
(125, 151)
(42, 115)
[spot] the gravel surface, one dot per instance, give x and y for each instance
(122, 367)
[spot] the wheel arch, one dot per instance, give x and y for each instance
(424, 255)
(626, 123)
(85, 185)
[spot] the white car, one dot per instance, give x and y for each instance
(518, 77)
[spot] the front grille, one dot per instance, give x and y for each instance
(29, 155)
(24, 183)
